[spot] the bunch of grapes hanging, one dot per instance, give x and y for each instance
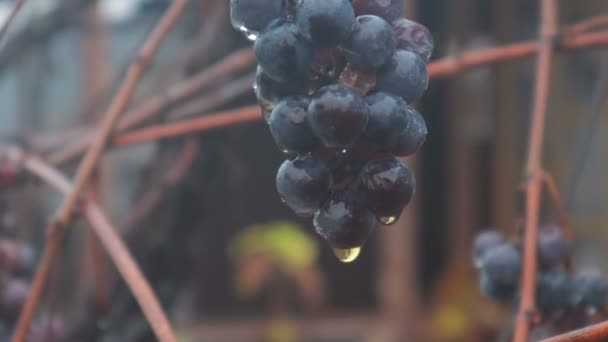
(334, 80)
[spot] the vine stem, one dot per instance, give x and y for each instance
(441, 68)
(534, 170)
(11, 17)
(58, 224)
(593, 333)
(111, 241)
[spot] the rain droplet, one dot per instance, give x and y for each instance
(347, 255)
(388, 220)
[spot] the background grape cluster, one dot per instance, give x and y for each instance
(565, 299)
(334, 80)
(17, 260)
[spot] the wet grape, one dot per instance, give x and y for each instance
(413, 136)
(371, 44)
(404, 75)
(413, 37)
(290, 127)
(326, 22)
(389, 10)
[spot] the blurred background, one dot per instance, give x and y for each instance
(201, 214)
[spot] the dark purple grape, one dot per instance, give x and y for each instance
(387, 186)
(304, 184)
(414, 135)
(338, 115)
(484, 241)
(387, 121)
(253, 16)
(552, 246)
(502, 265)
(590, 290)
(414, 37)
(269, 92)
(404, 75)
(495, 290)
(289, 125)
(283, 53)
(371, 44)
(389, 10)
(326, 22)
(12, 297)
(344, 221)
(48, 329)
(553, 291)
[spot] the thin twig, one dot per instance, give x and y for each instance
(593, 333)
(534, 168)
(154, 194)
(564, 221)
(115, 247)
(11, 17)
(64, 213)
(588, 25)
(216, 98)
(556, 202)
(181, 128)
(228, 66)
(117, 107)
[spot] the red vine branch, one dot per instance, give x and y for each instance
(65, 211)
(534, 169)
(113, 244)
(594, 333)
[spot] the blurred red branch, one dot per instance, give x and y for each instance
(593, 333)
(223, 69)
(117, 107)
(556, 202)
(589, 24)
(441, 68)
(59, 223)
(11, 17)
(180, 128)
(534, 169)
(110, 240)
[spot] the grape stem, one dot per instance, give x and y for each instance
(57, 226)
(108, 237)
(534, 170)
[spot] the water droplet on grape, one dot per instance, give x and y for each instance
(347, 255)
(343, 151)
(388, 220)
(252, 36)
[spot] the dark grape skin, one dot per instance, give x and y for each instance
(387, 121)
(590, 290)
(553, 291)
(371, 44)
(404, 75)
(326, 23)
(338, 115)
(389, 10)
(414, 37)
(502, 264)
(344, 220)
(304, 183)
(254, 16)
(552, 246)
(387, 186)
(495, 290)
(289, 125)
(485, 241)
(413, 136)
(269, 92)
(282, 53)
(14, 293)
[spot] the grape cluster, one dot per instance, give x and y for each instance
(558, 292)
(334, 80)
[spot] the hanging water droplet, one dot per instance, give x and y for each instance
(388, 220)
(347, 255)
(344, 151)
